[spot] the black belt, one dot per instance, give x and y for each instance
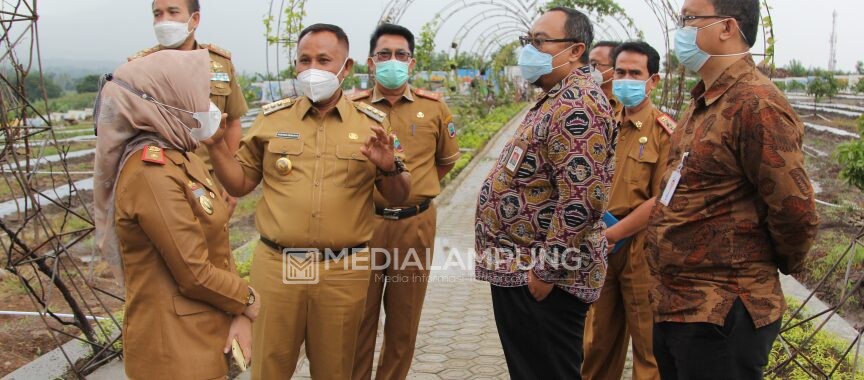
(314, 254)
(396, 213)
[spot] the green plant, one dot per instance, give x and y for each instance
(823, 85)
(850, 155)
(824, 350)
(426, 44)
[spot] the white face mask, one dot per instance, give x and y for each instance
(597, 76)
(319, 85)
(172, 34)
(208, 123)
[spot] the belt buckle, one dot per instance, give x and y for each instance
(391, 213)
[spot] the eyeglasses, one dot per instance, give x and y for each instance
(386, 55)
(683, 20)
(537, 41)
(594, 64)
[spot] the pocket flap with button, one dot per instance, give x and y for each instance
(285, 146)
(350, 152)
(220, 88)
(648, 154)
(186, 306)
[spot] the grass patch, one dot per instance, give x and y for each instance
(825, 351)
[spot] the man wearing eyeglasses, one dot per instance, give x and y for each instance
(403, 241)
(540, 239)
(600, 58)
(736, 206)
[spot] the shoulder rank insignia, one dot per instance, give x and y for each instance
(360, 95)
(153, 154)
(144, 53)
(370, 111)
(668, 124)
(217, 50)
(277, 105)
(427, 94)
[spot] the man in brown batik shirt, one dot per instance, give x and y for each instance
(743, 207)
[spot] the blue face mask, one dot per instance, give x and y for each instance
(631, 92)
(534, 63)
(391, 74)
(688, 51)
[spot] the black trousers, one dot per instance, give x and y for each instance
(541, 340)
(737, 350)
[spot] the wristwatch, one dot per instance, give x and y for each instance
(250, 297)
(398, 167)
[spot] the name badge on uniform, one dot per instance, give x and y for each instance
(672, 185)
(220, 77)
(517, 154)
(288, 135)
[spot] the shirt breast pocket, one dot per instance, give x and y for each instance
(640, 164)
(220, 88)
(282, 158)
(352, 167)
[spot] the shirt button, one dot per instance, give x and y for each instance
(317, 183)
(225, 262)
(318, 155)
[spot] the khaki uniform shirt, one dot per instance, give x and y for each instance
(743, 209)
(325, 199)
(181, 281)
(424, 126)
(225, 90)
(640, 159)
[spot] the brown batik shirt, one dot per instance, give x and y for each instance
(743, 209)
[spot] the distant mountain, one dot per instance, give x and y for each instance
(77, 68)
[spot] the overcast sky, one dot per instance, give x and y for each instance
(109, 30)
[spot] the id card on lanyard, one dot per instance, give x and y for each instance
(672, 184)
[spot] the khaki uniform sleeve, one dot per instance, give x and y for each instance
(235, 105)
(166, 217)
(250, 154)
(664, 141)
(447, 148)
(772, 159)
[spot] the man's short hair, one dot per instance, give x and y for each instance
(609, 44)
(640, 47)
(746, 12)
(578, 27)
(315, 28)
(193, 5)
(391, 29)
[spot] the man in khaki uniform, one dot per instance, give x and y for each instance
(320, 156)
(623, 311)
(600, 59)
(403, 241)
(225, 91)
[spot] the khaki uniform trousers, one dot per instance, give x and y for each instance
(326, 315)
(409, 243)
(622, 312)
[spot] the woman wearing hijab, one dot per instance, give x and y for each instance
(157, 213)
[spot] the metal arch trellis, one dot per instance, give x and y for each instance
(45, 235)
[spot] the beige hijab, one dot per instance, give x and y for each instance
(126, 122)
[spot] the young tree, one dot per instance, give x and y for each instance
(859, 67)
(821, 86)
(850, 155)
